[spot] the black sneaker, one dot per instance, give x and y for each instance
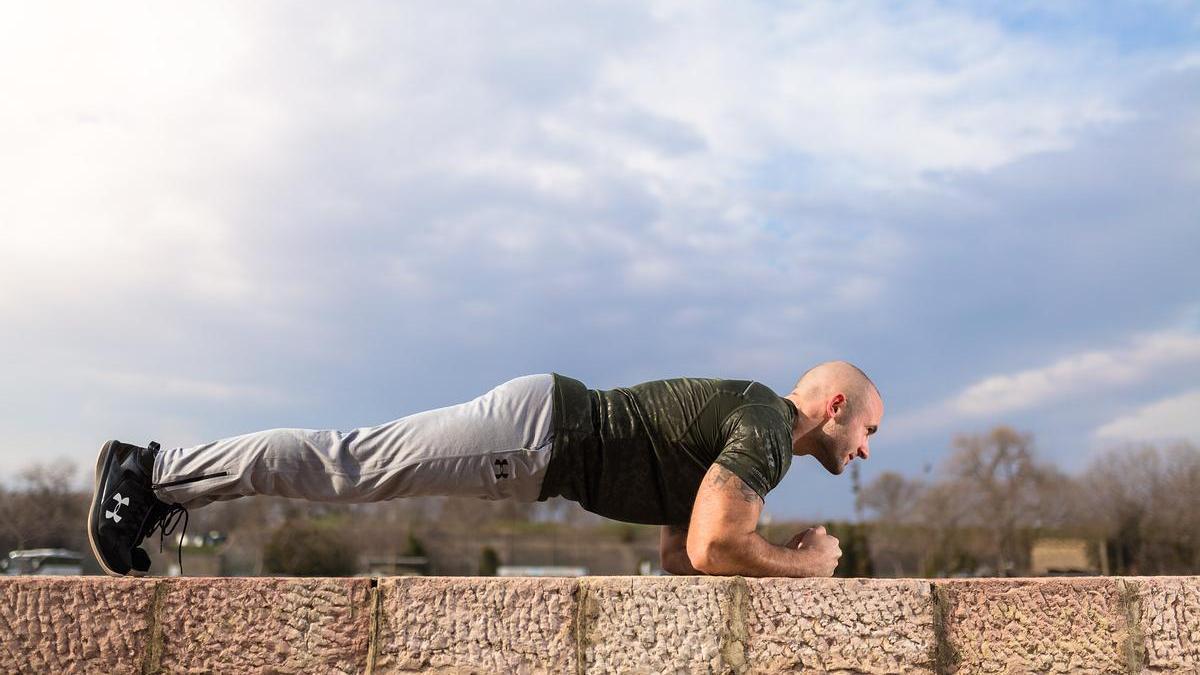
(125, 511)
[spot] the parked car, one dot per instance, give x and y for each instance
(43, 561)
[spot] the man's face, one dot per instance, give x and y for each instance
(846, 435)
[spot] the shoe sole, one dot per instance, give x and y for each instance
(94, 513)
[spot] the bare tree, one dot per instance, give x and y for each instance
(44, 508)
(15, 519)
(890, 497)
(891, 500)
(1145, 500)
(942, 511)
(1177, 508)
(1002, 482)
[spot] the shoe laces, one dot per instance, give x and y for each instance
(165, 523)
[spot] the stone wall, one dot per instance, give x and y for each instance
(599, 625)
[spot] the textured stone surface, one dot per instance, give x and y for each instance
(822, 625)
(265, 625)
(477, 625)
(599, 625)
(660, 624)
(74, 624)
(1034, 625)
(1169, 624)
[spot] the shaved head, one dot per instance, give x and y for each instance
(837, 377)
(834, 377)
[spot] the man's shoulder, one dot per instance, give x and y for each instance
(751, 390)
(759, 402)
(746, 388)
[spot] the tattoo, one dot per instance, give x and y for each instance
(723, 476)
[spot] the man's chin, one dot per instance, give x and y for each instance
(833, 468)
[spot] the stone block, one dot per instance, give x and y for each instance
(74, 624)
(661, 625)
(264, 625)
(1076, 625)
(1169, 623)
(477, 625)
(834, 625)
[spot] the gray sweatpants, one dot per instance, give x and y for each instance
(496, 446)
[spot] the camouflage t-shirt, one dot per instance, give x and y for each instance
(638, 453)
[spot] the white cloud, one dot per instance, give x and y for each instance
(1093, 374)
(174, 386)
(879, 97)
(1078, 373)
(117, 131)
(172, 149)
(1174, 418)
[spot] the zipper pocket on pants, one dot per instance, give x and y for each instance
(185, 481)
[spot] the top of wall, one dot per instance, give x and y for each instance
(600, 625)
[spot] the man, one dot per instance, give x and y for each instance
(697, 456)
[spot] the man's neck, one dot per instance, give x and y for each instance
(804, 424)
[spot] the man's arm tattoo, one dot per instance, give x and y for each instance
(723, 475)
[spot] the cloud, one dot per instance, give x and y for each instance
(1173, 418)
(1078, 373)
(181, 167)
(872, 96)
(1094, 375)
(172, 386)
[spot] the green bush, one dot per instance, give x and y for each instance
(311, 548)
(414, 546)
(489, 562)
(856, 556)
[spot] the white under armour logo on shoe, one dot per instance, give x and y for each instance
(114, 514)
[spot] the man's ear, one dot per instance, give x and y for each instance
(835, 405)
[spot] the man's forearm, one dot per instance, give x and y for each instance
(753, 556)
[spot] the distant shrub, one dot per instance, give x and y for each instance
(489, 562)
(414, 546)
(311, 548)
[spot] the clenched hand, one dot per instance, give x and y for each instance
(824, 549)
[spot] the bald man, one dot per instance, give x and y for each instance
(697, 456)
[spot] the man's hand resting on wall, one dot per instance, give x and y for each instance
(825, 547)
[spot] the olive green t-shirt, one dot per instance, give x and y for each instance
(638, 454)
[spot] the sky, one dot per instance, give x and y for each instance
(223, 217)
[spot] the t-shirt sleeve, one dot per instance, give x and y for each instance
(758, 448)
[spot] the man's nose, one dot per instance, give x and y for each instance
(864, 452)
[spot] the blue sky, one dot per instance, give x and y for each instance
(226, 218)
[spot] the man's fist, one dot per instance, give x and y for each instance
(823, 548)
(795, 541)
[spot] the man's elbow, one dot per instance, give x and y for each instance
(673, 565)
(714, 556)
